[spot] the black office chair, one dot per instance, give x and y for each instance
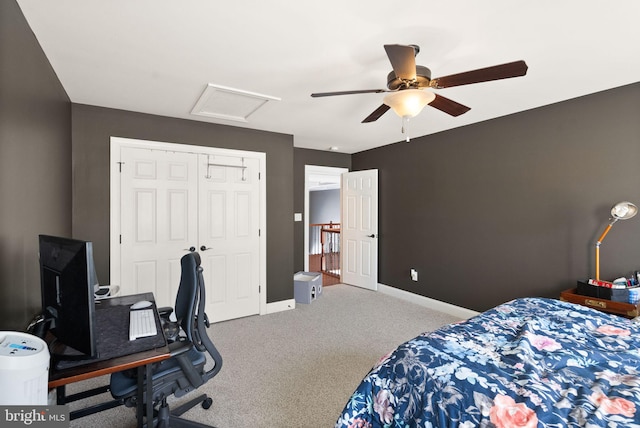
(185, 370)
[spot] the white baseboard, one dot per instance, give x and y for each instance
(427, 302)
(282, 305)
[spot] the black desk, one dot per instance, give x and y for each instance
(116, 353)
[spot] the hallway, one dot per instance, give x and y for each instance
(314, 266)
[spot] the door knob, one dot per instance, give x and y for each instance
(204, 248)
(192, 249)
(371, 236)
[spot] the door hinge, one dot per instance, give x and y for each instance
(259, 289)
(120, 166)
(259, 176)
(259, 232)
(121, 239)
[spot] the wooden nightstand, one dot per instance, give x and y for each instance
(627, 310)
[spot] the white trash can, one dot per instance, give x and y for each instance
(24, 369)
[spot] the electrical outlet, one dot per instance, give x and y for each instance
(414, 275)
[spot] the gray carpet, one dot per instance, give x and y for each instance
(295, 368)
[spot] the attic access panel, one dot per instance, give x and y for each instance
(227, 103)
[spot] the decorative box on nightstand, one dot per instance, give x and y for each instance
(628, 310)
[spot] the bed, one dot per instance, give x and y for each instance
(530, 362)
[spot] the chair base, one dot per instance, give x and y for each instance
(171, 418)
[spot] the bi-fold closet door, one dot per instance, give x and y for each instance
(173, 202)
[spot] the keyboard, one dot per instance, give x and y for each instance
(142, 323)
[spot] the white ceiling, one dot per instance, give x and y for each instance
(157, 56)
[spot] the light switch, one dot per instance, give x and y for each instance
(297, 217)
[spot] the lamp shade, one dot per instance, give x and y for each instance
(623, 210)
(408, 102)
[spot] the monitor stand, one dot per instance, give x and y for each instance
(58, 351)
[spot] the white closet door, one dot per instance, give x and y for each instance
(158, 219)
(229, 235)
(175, 202)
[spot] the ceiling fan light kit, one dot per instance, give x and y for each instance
(409, 102)
(405, 94)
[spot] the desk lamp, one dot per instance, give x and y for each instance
(620, 211)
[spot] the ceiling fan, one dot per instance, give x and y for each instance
(406, 83)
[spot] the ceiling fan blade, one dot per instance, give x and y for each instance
(449, 106)
(497, 72)
(376, 114)
(362, 91)
(403, 60)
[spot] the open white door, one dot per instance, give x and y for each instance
(360, 229)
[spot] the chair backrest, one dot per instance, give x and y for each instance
(186, 299)
(190, 313)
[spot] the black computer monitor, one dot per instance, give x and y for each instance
(68, 282)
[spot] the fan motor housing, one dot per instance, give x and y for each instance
(423, 77)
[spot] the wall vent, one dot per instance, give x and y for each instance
(228, 103)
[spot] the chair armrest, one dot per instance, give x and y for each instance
(165, 311)
(179, 347)
(179, 350)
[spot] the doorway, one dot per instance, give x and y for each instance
(322, 207)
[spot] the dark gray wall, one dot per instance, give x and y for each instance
(513, 206)
(301, 158)
(535, 188)
(94, 126)
(35, 164)
(324, 206)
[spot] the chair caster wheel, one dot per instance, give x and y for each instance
(207, 403)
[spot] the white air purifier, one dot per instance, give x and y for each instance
(24, 369)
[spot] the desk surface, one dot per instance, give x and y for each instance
(117, 352)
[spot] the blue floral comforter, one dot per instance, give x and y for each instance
(527, 363)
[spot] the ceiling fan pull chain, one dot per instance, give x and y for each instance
(405, 127)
